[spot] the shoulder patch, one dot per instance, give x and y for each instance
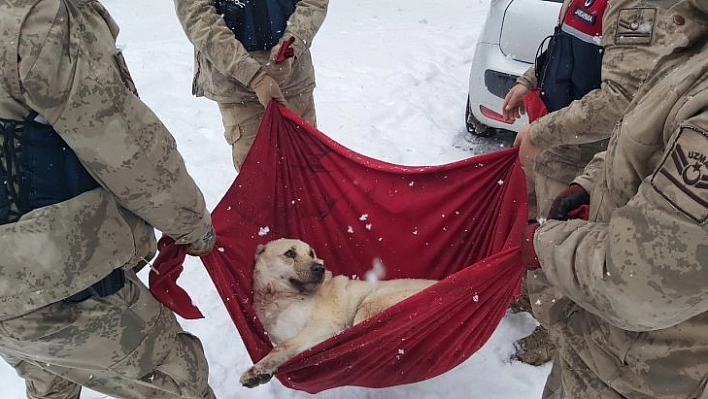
(635, 26)
(682, 177)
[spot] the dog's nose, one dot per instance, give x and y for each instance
(317, 268)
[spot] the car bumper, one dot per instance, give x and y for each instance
(491, 76)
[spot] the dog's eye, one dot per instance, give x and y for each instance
(290, 254)
(312, 254)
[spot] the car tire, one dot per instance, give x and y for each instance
(474, 126)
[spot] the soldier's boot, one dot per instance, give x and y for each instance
(536, 349)
(523, 303)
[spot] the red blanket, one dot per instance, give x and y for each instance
(460, 223)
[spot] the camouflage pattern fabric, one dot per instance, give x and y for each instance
(637, 35)
(70, 73)
(241, 122)
(223, 68)
(59, 58)
(637, 326)
(127, 345)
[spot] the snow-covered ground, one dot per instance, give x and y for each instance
(392, 84)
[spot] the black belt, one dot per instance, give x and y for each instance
(106, 286)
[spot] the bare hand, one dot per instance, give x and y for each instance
(527, 150)
(513, 105)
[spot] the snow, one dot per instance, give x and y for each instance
(392, 83)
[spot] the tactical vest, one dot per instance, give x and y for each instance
(37, 168)
(570, 66)
(257, 24)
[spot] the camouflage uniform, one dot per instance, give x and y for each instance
(571, 136)
(636, 321)
(630, 54)
(59, 58)
(223, 69)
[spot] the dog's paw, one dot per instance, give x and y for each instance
(252, 378)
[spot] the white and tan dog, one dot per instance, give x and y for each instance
(300, 304)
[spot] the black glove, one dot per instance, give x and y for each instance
(568, 201)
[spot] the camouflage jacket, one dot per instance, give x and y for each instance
(59, 58)
(637, 271)
(636, 36)
(223, 68)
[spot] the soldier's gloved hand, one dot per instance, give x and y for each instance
(568, 203)
(280, 71)
(280, 62)
(203, 245)
(266, 88)
(528, 253)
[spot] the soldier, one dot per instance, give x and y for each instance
(635, 323)
(566, 70)
(566, 140)
(87, 171)
(247, 53)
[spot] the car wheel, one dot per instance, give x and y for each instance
(474, 126)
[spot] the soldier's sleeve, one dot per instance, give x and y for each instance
(528, 78)
(210, 36)
(593, 117)
(70, 74)
(587, 120)
(647, 268)
(305, 22)
(591, 172)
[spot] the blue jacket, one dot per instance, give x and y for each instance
(257, 24)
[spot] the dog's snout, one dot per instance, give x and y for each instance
(317, 268)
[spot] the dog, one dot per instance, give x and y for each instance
(300, 303)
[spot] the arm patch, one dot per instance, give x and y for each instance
(635, 26)
(682, 176)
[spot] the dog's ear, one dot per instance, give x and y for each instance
(259, 250)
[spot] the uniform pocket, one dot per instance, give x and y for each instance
(41, 325)
(125, 73)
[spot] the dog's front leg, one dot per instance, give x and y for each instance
(263, 371)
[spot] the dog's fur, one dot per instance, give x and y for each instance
(300, 304)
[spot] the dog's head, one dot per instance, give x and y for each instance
(288, 265)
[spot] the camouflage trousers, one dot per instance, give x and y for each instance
(126, 345)
(241, 122)
(542, 189)
(596, 360)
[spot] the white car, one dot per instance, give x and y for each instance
(505, 49)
